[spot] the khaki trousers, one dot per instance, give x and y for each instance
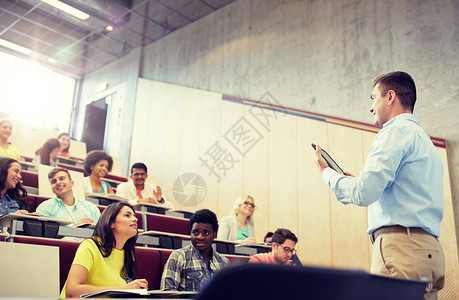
(404, 254)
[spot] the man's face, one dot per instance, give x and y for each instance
(61, 183)
(202, 236)
(379, 107)
(138, 176)
(283, 253)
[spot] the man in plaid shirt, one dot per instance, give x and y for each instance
(188, 269)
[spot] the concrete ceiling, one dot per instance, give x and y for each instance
(75, 47)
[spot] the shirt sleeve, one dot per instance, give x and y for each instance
(255, 259)
(84, 255)
(96, 213)
(168, 204)
(171, 278)
(224, 229)
(46, 208)
(87, 185)
(380, 171)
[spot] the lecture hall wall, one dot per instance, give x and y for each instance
(177, 128)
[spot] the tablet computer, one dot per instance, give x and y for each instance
(331, 163)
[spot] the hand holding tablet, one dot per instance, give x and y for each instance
(331, 163)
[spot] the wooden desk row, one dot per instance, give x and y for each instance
(150, 261)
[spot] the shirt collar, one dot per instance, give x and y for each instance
(402, 117)
(198, 254)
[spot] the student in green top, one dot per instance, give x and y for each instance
(106, 261)
(239, 227)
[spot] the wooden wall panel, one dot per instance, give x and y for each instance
(230, 167)
(210, 133)
(448, 237)
(348, 221)
(256, 173)
(283, 177)
(314, 231)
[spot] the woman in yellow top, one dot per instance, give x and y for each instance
(6, 149)
(106, 261)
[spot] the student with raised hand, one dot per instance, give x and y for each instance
(47, 154)
(106, 261)
(11, 191)
(239, 227)
(97, 164)
(6, 149)
(189, 268)
(140, 191)
(64, 140)
(65, 206)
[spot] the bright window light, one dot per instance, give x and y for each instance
(68, 9)
(35, 95)
(15, 47)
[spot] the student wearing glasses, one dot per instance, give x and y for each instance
(137, 190)
(239, 227)
(283, 248)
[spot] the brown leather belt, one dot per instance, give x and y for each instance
(395, 228)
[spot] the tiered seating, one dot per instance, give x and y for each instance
(30, 179)
(150, 261)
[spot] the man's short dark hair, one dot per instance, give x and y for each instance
(402, 84)
(268, 235)
(204, 216)
(282, 234)
(139, 165)
(54, 171)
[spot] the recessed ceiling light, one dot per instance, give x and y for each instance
(67, 8)
(109, 28)
(15, 47)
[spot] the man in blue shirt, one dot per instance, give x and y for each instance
(402, 186)
(65, 206)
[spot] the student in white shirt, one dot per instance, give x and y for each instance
(138, 191)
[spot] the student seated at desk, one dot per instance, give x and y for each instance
(11, 190)
(239, 227)
(268, 237)
(64, 140)
(47, 154)
(65, 206)
(188, 269)
(106, 261)
(139, 191)
(6, 149)
(97, 164)
(283, 247)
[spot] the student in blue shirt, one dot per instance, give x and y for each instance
(11, 191)
(65, 206)
(402, 186)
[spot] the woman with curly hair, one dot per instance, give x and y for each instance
(97, 164)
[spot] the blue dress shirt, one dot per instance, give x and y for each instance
(402, 180)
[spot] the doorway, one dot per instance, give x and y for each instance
(94, 125)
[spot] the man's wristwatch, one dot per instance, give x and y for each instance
(161, 201)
